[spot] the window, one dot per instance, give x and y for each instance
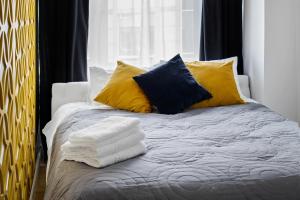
(142, 32)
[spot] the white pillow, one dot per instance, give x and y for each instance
(235, 73)
(97, 80)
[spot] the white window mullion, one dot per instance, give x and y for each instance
(197, 27)
(117, 28)
(181, 27)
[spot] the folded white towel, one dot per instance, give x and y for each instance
(108, 141)
(137, 149)
(105, 129)
(103, 149)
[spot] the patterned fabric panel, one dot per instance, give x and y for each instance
(17, 97)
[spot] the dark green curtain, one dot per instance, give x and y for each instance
(221, 30)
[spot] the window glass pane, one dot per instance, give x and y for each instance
(128, 41)
(124, 5)
(188, 4)
(187, 32)
(171, 18)
(151, 40)
(142, 32)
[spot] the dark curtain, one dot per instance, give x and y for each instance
(63, 33)
(221, 30)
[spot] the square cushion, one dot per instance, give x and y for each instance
(171, 87)
(218, 79)
(99, 76)
(235, 72)
(122, 91)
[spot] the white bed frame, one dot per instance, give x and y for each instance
(63, 93)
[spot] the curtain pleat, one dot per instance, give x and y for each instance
(221, 30)
(63, 34)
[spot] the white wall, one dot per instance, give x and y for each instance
(297, 24)
(254, 46)
(271, 47)
(280, 57)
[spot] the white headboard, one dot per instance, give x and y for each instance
(63, 93)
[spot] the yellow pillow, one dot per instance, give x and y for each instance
(218, 79)
(122, 91)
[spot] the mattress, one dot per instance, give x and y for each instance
(233, 152)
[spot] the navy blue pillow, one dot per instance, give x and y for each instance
(171, 87)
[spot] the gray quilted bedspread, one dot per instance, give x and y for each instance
(234, 152)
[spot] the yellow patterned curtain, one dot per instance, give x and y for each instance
(17, 97)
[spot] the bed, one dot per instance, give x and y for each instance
(231, 152)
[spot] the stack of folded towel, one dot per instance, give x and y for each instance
(111, 140)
